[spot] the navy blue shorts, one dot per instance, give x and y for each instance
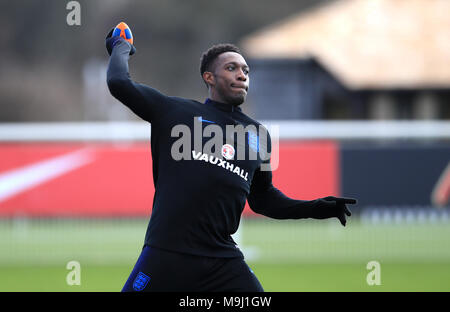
(165, 271)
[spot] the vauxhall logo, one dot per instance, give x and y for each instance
(221, 163)
(251, 144)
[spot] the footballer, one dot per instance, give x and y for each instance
(198, 200)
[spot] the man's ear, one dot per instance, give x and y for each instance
(209, 79)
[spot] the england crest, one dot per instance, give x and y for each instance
(140, 281)
(253, 141)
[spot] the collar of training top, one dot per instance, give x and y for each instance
(222, 106)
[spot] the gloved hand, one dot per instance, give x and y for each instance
(331, 206)
(112, 41)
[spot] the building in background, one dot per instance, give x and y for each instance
(354, 59)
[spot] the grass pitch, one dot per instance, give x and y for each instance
(291, 256)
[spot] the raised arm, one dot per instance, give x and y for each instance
(143, 100)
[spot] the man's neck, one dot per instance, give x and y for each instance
(216, 98)
(222, 106)
(219, 99)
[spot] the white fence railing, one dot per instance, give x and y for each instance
(304, 130)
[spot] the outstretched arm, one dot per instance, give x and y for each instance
(267, 200)
(143, 100)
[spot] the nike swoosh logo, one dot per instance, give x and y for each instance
(204, 120)
(19, 180)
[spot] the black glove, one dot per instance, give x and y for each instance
(331, 206)
(112, 41)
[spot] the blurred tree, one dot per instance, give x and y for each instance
(43, 58)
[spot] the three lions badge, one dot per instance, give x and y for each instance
(140, 281)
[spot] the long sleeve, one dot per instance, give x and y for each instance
(143, 100)
(267, 200)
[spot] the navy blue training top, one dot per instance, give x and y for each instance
(199, 196)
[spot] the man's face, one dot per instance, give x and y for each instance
(231, 80)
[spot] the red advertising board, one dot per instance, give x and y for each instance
(113, 180)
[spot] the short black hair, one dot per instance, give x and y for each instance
(212, 53)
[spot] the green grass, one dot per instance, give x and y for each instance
(301, 277)
(289, 277)
(94, 278)
(285, 255)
